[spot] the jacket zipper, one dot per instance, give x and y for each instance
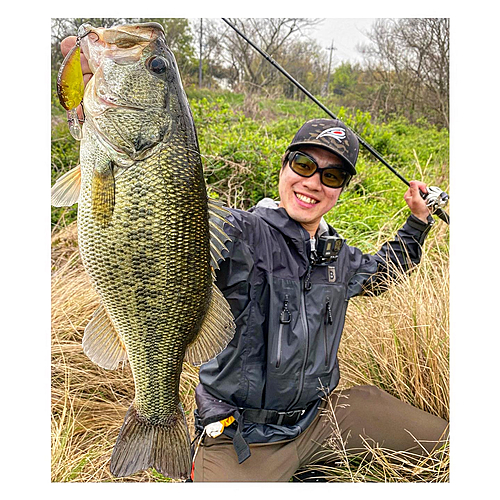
(328, 321)
(306, 285)
(285, 319)
(307, 280)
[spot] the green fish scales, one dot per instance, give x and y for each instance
(141, 262)
(149, 238)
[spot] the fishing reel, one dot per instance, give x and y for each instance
(436, 199)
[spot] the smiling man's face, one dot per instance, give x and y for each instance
(307, 199)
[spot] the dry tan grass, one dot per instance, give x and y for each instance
(398, 341)
(335, 464)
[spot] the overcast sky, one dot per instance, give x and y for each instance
(345, 33)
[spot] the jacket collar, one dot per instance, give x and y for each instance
(278, 218)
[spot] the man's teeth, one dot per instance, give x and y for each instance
(305, 199)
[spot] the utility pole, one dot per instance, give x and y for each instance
(327, 83)
(201, 50)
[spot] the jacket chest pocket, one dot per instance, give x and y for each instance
(327, 322)
(326, 333)
(285, 332)
(284, 324)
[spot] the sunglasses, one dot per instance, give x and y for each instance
(306, 166)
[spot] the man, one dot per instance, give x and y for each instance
(288, 286)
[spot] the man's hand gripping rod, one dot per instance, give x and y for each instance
(436, 198)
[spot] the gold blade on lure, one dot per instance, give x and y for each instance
(70, 88)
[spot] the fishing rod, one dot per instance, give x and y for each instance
(436, 198)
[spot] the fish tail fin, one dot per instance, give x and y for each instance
(141, 445)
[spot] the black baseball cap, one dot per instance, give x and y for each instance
(332, 135)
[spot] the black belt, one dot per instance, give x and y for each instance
(260, 416)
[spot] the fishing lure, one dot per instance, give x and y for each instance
(70, 87)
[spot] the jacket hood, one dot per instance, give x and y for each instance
(278, 218)
(286, 225)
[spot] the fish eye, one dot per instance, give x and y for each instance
(157, 65)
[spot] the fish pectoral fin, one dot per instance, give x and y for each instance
(217, 218)
(66, 190)
(101, 342)
(216, 331)
(103, 191)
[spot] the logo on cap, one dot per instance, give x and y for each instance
(335, 132)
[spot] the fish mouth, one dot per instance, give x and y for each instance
(123, 44)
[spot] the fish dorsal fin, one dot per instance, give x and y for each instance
(217, 212)
(66, 191)
(217, 218)
(101, 342)
(216, 331)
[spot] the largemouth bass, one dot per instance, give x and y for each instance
(149, 238)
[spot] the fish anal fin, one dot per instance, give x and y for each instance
(66, 190)
(101, 342)
(216, 331)
(164, 446)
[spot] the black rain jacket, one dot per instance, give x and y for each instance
(289, 315)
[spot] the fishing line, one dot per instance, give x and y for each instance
(435, 202)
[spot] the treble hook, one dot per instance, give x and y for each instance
(78, 38)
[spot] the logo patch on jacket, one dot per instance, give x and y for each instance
(331, 274)
(337, 133)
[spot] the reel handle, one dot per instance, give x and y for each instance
(436, 199)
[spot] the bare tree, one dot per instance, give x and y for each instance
(216, 70)
(409, 61)
(273, 35)
(307, 62)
